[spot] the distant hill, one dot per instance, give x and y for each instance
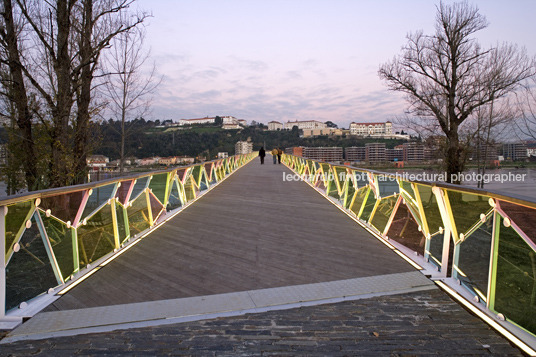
(147, 139)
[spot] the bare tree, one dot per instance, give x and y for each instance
(526, 103)
(488, 127)
(102, 21)
(129, 87)
(447, 76)
(65, 40)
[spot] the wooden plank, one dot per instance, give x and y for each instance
(253, 231)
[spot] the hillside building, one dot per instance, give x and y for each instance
(243, 147)
(322, 131)
(304, 124)
(207, 120)
(372, 129)
(275, 125)
(97, 161)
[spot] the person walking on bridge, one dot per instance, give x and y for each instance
(279, 153)
(274, 155)
(262, 154)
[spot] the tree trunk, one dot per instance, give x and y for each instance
(124, 94)
(487, 143)
(83, 97)
(59, 173)
(20, 99)
(122, 152)
(454, 162)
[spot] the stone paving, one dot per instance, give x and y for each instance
(420, 323)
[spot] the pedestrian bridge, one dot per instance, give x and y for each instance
(232, 236)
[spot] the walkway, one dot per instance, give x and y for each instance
(253, 231)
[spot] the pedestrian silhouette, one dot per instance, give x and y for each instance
(262, 154)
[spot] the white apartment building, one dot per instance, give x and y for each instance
(206, 120)
(243, 147)
(304, 124)
(371, 129)
(324, 131)
(229, 120)
(95, 161)
(226, 120)
(275, 125)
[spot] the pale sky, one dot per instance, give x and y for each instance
(281, 60)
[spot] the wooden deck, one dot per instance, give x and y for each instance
(253, 231)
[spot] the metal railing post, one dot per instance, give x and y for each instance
(113, 209)
(149, 208)
(76, 255)
(492, 277)
(444, 209)
(392, 216)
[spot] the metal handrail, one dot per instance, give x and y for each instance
(455, 229)
(124, 223)
(514, 198)
(85, 186)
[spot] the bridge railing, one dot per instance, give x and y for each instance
(52, 237)
(485, 240)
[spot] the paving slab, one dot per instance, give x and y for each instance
(99, 319)
(422, 323)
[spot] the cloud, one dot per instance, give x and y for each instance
(294, 75)
(206, 95)
(244, 88)
(251, 65)
(166, 58)
(309, 63)
(205, 74)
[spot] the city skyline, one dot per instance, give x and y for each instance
(296, 60)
